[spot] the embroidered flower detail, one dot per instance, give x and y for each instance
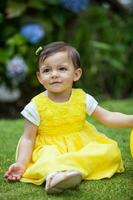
(33, 32)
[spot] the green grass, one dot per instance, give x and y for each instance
(119, 187)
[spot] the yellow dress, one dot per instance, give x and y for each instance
(131, 143)
(65, 140)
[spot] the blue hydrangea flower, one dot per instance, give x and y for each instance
(75, 5)
(16, 69)
(32, 32)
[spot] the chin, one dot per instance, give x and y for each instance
(56, 91)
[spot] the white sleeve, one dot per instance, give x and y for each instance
(91, 104)
(30, 112)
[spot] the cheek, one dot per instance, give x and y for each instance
(68, 75)
(45, 78)
(43, 81)
(66, 78)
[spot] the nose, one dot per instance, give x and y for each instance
(54, 74)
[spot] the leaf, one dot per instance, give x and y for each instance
(52, 2)
(37, 4)
(3, 56)
(1, 17)
(16, 40)
(116, 64)
(101, 45)
(59, 19)
(15, 9)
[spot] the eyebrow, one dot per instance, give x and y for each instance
(61, 65)
(45, 66)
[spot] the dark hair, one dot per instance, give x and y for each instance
(56, 47)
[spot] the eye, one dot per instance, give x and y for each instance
(63, 69)
(46, 70)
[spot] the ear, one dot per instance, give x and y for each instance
(77, 74)
(38, 77)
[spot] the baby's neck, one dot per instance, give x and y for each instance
(59, 97)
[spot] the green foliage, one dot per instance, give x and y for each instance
(105, 43)
(103, 38)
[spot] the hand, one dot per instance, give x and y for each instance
(15, 172)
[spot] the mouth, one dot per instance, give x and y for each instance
(53, 83)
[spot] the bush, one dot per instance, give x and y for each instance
(103, 38)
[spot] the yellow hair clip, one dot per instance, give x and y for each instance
(38, 50)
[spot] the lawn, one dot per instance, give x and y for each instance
(119, 187)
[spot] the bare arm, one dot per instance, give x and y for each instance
(25, 149)
(113, 119)
(27, 143)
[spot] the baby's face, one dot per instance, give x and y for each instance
(57, 73)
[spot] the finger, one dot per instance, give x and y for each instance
(18, 177)
(10, 170)
(14, 178)
(11, 174)
(13, 171)
(11, 178)
(6, 174)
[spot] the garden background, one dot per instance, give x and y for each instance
(102, 32)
